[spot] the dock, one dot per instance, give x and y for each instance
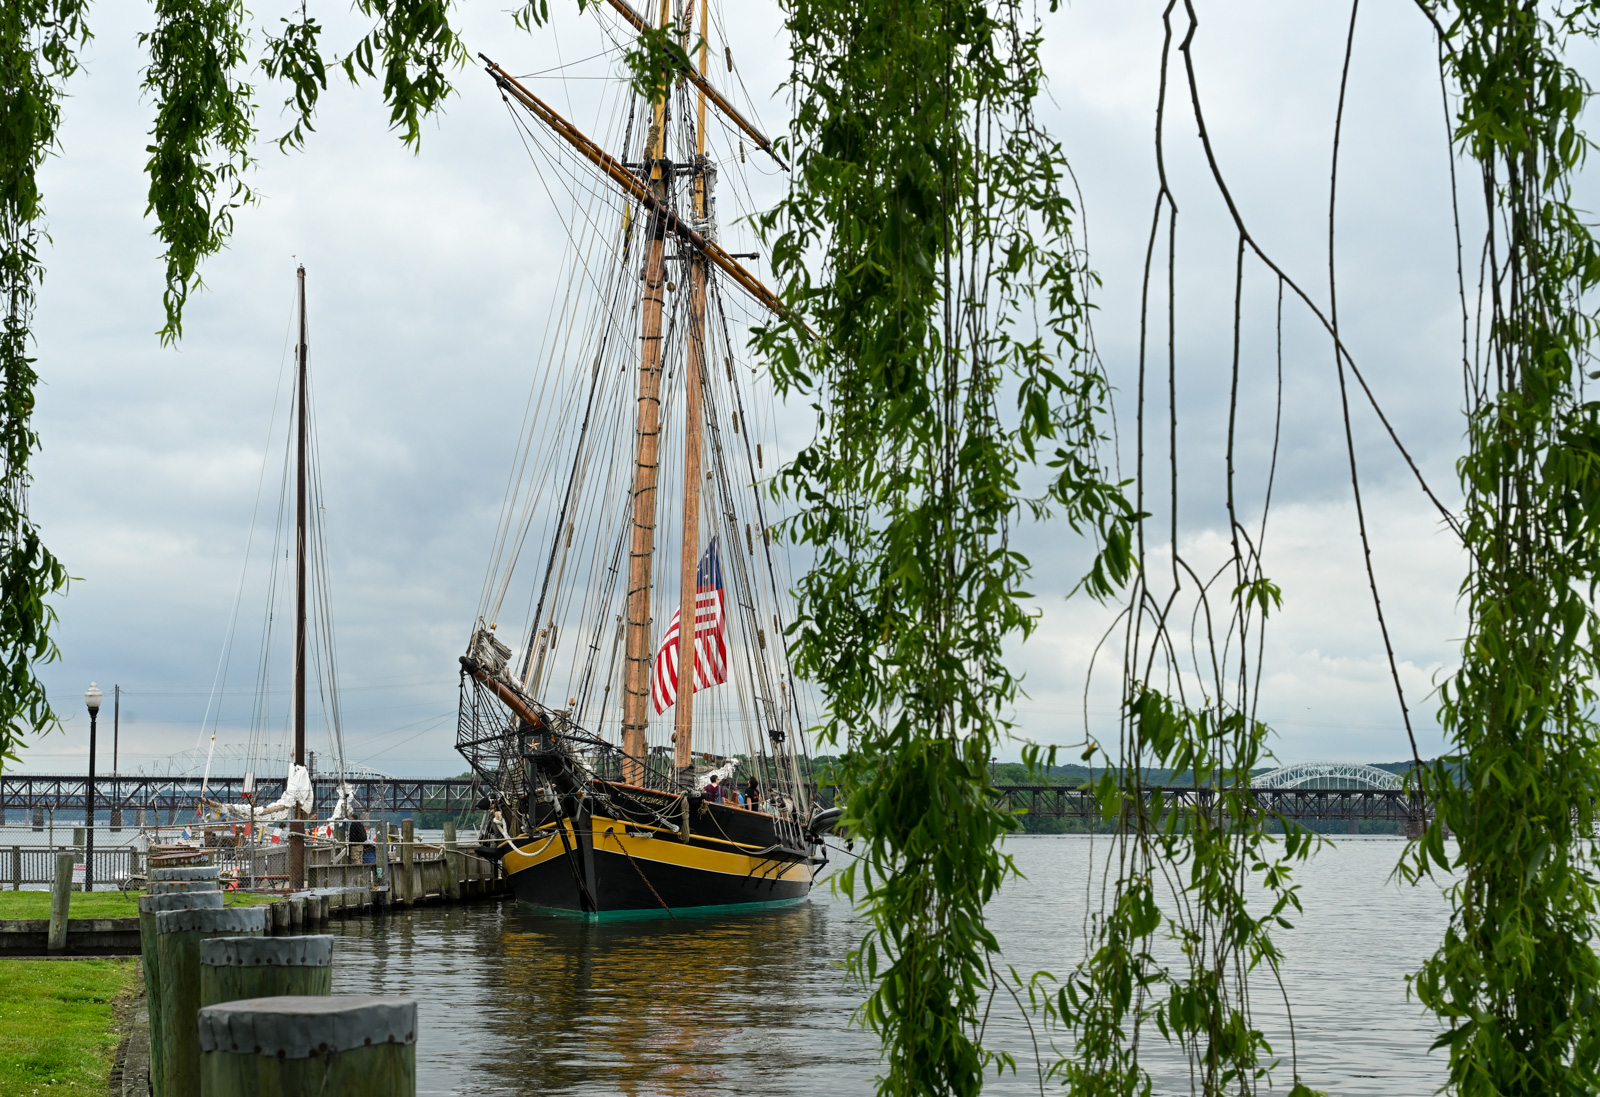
(340, 883)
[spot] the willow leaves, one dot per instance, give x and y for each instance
(199, 157)
(928, 241)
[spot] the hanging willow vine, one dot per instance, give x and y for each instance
(39, 40)
(1517, 979)
(880, 197)
(1175, 942)
(946, 283)
(928, 240)
(198, 161)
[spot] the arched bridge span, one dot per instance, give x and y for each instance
(1329, 775)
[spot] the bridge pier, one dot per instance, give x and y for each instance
(1354, 826)
(38, 818)
(1415, 825)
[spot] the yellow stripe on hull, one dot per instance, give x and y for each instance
(612, 836)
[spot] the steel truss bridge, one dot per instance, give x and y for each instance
(1346, 805)
(178, 797)
(1307, 792)
(25, 797)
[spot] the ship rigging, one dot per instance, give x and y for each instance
(648, 680)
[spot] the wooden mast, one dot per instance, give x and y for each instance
(297, 827)
(688, 606)
(707, 90)
(636, 665)
(633, 187)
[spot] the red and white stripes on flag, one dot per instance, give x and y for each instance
(710, 637)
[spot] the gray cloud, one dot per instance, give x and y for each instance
(430, 277)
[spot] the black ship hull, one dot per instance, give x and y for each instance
(640, 853)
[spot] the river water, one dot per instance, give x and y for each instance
(517, 1004)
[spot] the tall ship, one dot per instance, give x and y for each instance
(636, 727)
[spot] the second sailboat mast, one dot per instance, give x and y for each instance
(297, 847)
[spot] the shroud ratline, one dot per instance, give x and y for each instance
(597, 806)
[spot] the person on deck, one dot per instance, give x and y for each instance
(752, 794)
(713, 789)
(357, 834)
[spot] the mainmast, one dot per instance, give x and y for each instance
(688, 606)
(636, 667)
(297, 827)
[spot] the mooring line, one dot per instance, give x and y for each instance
(613, 836)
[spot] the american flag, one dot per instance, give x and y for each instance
(710, 637)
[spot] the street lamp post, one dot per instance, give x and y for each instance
(91, 698)
(116, 770)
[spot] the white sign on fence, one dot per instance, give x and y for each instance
(77, 873)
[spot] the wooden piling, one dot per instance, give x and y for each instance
(407, 876)
(350, 1045)
(232, 968)
(178, 887)
(452, 861)
(186, 872)
(149, 907)
(60, 900)
(178, 937)
(385, 877)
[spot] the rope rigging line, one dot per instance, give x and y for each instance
(565, 526)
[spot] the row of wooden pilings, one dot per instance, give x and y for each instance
(453, 874)
(235, 1013)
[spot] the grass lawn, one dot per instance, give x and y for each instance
(96, 904)
(57, 1032)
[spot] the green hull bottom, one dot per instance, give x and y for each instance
(679, 912)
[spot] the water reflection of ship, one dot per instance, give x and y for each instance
(597, 1007)
(643, 422)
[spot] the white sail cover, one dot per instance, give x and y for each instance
(723, 774)
(345, 808)
(493, 656)
(296, 793)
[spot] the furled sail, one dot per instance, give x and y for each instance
(297, 792)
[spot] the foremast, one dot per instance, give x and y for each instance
(641, 551)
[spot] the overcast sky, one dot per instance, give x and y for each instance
(429, 275)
